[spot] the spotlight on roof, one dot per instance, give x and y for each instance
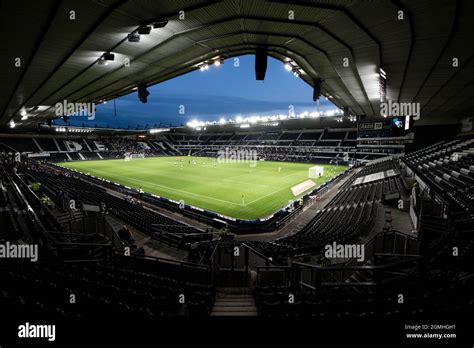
(144, 30)
(296, 72)
(160, 24)
(217, 63)
(12, 124)
(288, 66)
(133, 38)
(102, 61)
(109, 56)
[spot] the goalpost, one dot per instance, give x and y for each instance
(315, 172)
(128, 156)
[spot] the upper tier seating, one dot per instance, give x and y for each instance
(449, 167)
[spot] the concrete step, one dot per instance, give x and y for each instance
(235, 299)
(221, 295)
(233, 310)
(234, 314)
(234, 302)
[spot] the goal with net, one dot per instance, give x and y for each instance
(128, 156)
(315, 172)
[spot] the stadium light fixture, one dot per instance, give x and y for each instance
(12, 124)
(102, 61)
(160, 24)
(108, 56)
(159, 130)
(144, 30)
(382, 85)
(194, 124)
(222, 121)
(254, 119)
(133, 37)
(288, 66)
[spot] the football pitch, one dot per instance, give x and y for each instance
(236, 190)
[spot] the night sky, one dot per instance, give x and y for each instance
(226, 92)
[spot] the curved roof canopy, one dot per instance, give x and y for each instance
(423, 46)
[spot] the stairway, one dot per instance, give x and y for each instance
(65, 219)
(234, 302)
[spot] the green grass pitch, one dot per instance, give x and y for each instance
(232, 189)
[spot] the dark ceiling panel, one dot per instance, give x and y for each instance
(415, 52)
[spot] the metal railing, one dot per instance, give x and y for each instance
(315, 278)
(237, 256)
(182, 270)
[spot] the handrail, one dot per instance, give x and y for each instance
(73, 233)
(399, 233)
(372, 243)
(84, 244)
(211, 257)
(162, 259)
(25, 199)
(363, 267)
(399, 255)
(266, 258)
(467, 212)
(274, 267)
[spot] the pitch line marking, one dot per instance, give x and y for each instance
(269, 194)
(170, 188)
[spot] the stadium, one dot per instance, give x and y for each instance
(350, 212)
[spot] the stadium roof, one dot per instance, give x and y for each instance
(59, 56)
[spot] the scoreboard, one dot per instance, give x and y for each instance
(396, 126)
